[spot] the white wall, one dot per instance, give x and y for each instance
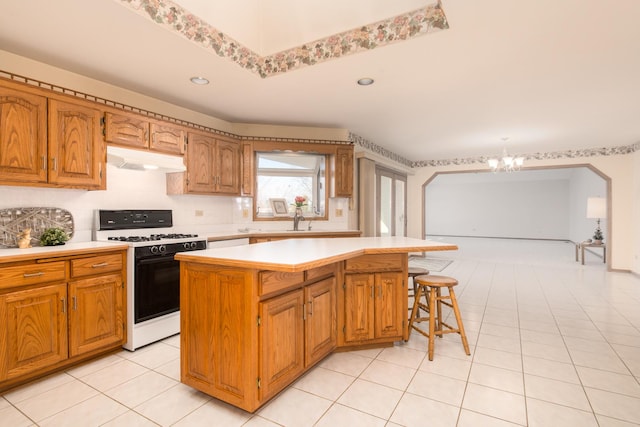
(535, 204)
(487, 205)
(623, 236)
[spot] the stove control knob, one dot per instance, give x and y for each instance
(193, 245)
(154, 249)
(185, 245)
(162, 249)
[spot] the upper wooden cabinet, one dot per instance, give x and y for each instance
(136, 131)
(343, 170)
(23, 136)
(77, 153)
(129, 130)
(248, 160)
(49, 141)
(213, 167)
(167, 137)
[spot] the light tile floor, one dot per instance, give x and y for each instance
(553, 343)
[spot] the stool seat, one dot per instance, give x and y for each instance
(430, 287)
(433, 280)
(417, 271)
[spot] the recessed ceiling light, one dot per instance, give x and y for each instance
(365, 81)
(199, 81)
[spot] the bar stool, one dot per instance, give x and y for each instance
(430, 286)
(413, 272)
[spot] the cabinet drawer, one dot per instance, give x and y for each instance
(375, 262)
(31, 274)
(96, 265)
(274, 281)
(325, 270)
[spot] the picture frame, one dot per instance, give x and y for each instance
(279, 207)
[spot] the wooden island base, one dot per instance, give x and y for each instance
(252, 323)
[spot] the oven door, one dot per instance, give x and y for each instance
(157, 287)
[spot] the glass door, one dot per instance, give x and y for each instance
(391, 205)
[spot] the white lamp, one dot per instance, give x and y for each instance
(597, 209)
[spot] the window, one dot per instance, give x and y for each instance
(287, 175)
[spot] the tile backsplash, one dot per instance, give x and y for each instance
(133, 189)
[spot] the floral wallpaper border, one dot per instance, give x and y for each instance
(567, 154)
(367, 37)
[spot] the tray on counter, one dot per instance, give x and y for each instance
(14, 220)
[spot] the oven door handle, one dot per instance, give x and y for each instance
(155, 260)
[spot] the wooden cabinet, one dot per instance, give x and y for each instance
(248, 171)
(126, 129)
(34, 331)
(23, 136)
(282, 328)
(167, 138)
(320, 320)
(343, 172)
(95, 313)
(141, 132)
(49, 140)
(374, 304)
(213, 167)
(77, 153)
(248, 334)
(58, 312)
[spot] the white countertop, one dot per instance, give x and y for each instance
(16, 254)
(301, 254)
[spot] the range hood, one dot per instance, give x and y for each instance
(125, 158)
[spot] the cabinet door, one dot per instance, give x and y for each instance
(126, 129)
(76, 149)
(320, 326)
(34, 329)
(344, 172)
(389, 315)
(359, 307)
(167, 138)
(227, 167)
(23, 136)
(281, 342)
(247, 169)
(95, 313)
(200, 154)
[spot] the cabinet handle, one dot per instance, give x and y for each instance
(373, 292)
(304, 312)
(75, 302)
(44, 162)
(54, 164)
(64, 304)
(311, 308)
(38, 274)
(102, 264)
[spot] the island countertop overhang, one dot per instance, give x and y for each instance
(293, 255)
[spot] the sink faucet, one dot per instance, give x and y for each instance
(297, 217)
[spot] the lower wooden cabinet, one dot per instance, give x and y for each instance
(34, 331)
(53, 315)
(374, 304)
(96, 313)
(245, 340)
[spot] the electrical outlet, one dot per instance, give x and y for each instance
(199, 212)
(245, 213)
(338, 212)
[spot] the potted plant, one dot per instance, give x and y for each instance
(53, 236)
(597, 236)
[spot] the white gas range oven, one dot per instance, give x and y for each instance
(153, 276)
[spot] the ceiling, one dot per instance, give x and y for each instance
(549, 75)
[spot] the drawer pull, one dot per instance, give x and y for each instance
(75, 302)
(64, 304)
(102, 264)
(38, 274)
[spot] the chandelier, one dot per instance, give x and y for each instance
(506, 163)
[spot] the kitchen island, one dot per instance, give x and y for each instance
(254, 318)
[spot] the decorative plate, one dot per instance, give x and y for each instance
(14, 220)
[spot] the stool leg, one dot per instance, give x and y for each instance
(414, 310)
(432, 317)
(456, 311)
(438, 311)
